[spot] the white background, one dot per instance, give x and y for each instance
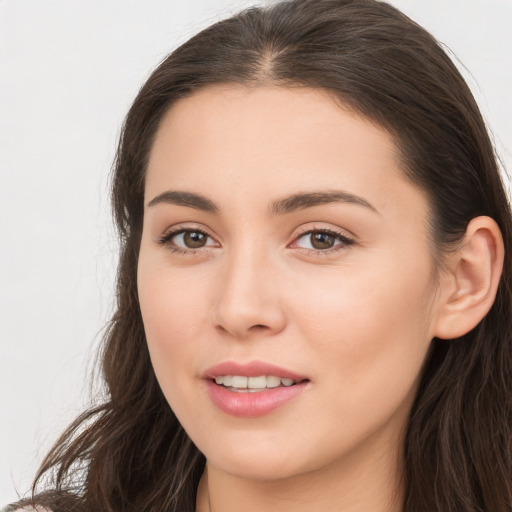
(69, 70)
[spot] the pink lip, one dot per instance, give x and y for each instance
(251, 405)
(252, 369)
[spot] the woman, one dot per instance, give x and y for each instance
(314, 285)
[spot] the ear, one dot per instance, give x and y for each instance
(469, 285)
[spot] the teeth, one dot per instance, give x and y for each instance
(239, 381)
(273, 381)
(257, 382)
(252, 383)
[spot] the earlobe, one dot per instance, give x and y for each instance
(470, 287)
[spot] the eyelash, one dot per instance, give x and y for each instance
(165, 240)
(346, 242)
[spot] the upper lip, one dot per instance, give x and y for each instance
(251, 369)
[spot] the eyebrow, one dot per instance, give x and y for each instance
(189, 199)
(303, 200)
(295, 202)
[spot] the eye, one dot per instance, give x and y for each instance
(322, 240)
(187, 240)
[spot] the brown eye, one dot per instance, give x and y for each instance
(322, 240)
(194, 239)
(184, 240)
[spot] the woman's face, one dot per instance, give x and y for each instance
(282, 241)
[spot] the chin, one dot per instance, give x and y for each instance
(262, 469)
(261, 460)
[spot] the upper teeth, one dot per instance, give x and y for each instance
(263, 381)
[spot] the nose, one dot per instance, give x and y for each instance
(249, 302)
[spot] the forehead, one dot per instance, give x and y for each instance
(268, 142)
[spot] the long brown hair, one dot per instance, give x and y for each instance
(130, 452)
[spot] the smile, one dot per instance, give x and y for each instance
(241, 383)
(253, 389)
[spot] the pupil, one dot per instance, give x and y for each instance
(322, 240)
(194, 240)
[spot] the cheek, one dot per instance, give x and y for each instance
(171, 300)
(368, 337)
(370, 328)
(168, 311)
(173, 311)
(355, 305)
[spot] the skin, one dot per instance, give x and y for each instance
(357, 320)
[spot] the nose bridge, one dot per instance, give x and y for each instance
(248, 298)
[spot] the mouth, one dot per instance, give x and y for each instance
(244, 384)
(252, 389)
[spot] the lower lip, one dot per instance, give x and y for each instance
(252, 405)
